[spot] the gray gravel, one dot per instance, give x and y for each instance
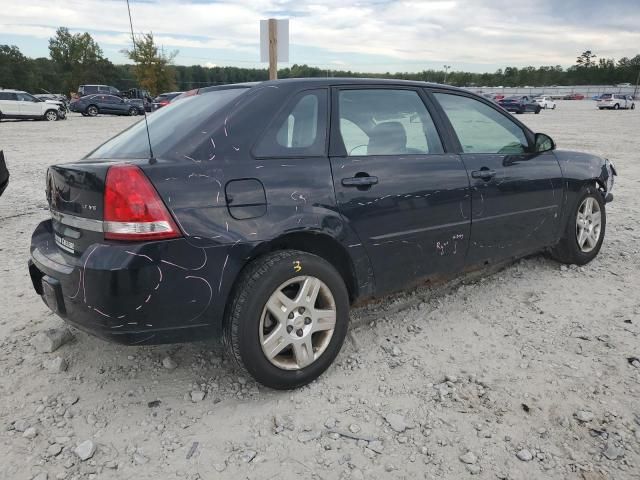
(532, 358)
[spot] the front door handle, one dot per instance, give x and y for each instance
(359, 181)
(484, 173)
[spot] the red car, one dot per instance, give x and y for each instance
(573, 96)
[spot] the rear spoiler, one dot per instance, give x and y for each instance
(4, 174)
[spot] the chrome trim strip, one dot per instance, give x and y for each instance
(78, 222)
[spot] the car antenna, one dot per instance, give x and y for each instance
(152, 160)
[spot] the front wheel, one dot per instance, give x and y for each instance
(585, 229)
(288, 318)
(92, 111)
(133, 112)
(554, 107)
(51, 116)
(633, 106)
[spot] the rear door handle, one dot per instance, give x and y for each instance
(359, 181)
(483, 173)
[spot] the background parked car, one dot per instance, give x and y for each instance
(573, 96)
(54, 98)
(22, 105)
(92, 105)
(140, 104)
(84, 90)
(545, 102)
(519, 104)
(164, 99)
(615, 101)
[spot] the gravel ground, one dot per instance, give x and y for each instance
(520, 373)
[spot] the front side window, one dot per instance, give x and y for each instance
(480, 128)
(300, 130)
(25, 97)
(386, 122)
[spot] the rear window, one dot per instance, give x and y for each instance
(175, 131)
(606, 96)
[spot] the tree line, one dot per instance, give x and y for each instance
(76, 59)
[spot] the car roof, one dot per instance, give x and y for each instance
(12, 91)
(330, 81)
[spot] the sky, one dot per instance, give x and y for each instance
(360, 35)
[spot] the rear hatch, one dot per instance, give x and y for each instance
(75, 195)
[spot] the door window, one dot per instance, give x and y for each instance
(25, 97)
(386, 122)
(480, 128)
(8, 96)
(299, 131)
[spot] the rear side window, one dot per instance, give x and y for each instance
(298, 131)
(386, 122)
(480, 128)
(8, 96)
(175, 131)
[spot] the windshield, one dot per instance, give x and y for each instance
(172, 129)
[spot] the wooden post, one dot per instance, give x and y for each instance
(635, 90)
(273, 49)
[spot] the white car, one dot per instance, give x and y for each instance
(19, 104)
(616, 101)
(545, 102)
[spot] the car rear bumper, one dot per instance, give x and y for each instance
(132, 293)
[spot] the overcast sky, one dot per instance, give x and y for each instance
(362, 35)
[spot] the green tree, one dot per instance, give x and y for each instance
(13, 67)
(154, 69)
(77, 58)
(586, 59)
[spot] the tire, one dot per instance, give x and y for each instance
(133, 112)
(568, 249)
(92, 111)
(51, 115)
(633, 106)
(537, 110)
(616, 106)
(554, 107)
(247, 316)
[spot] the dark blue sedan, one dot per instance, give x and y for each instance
(92, 105)
(262, 212)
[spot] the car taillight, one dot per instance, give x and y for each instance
(133, 209)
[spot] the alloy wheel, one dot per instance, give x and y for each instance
(588, 225)
(297, 323)
(51, 116)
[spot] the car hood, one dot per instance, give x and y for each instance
(55, 102)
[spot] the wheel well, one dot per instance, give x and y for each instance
(318, 244)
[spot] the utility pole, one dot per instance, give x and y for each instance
(273, 49)
(446, 72)
(635, 90)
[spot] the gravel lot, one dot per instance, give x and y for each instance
(522, 373)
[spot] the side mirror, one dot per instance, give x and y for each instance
(544, 143)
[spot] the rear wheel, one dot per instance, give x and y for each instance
(585, 229)
(133, 112)
(288, 318)
(51, 115)
(92, 110)
(554, 107)
(616, 106)
(633, 106)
